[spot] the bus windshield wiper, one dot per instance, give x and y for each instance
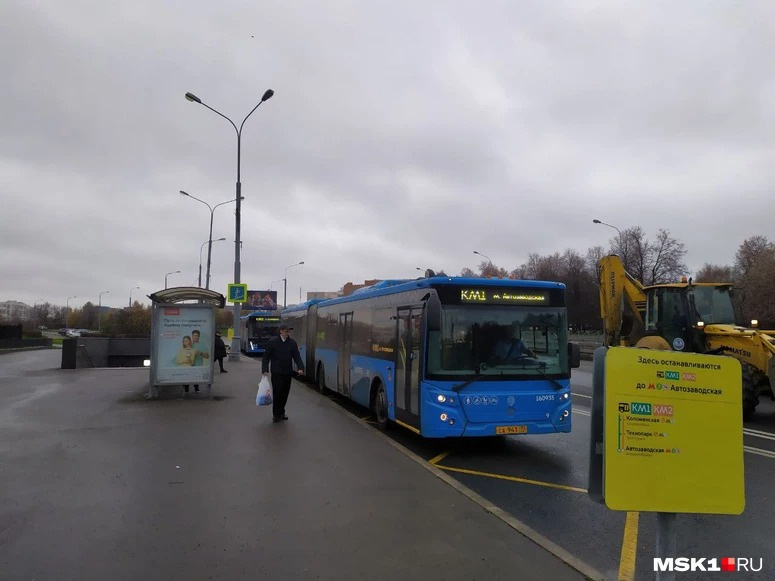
(554, 381)
(458, 387)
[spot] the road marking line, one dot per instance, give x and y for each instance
(581, 412)
(759, 451)
(629, 548)
(581, 395)
(511, 478)
(759, 434)
(440, 457)
(407, 426)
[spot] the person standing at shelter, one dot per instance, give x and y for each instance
(220, 351)
(280, 354)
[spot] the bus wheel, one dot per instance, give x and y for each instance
(321, 380)
(381, 407)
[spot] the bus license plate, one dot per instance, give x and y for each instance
(511, 429)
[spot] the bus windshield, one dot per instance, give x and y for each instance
(500, 342)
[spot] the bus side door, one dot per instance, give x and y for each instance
(345, 347)
(407, 385)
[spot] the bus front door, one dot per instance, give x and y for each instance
(345, 346)
(407, 395)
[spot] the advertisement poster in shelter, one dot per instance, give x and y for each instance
(185, 344)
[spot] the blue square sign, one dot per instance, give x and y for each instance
(238, 293)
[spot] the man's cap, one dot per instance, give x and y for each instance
(284, 326)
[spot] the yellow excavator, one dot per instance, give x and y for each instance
(689, 317)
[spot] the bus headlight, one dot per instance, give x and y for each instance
(565, 396)
(443, 417)
(565, 414)
(441, 398)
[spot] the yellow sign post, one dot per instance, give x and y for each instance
(673, 432)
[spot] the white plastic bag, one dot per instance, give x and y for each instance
(264, 394)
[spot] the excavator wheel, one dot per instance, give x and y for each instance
(750, 397)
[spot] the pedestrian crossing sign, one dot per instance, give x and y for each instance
(238, 293)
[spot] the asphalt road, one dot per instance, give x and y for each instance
(542, 481)
(539, 480)
(96, 482)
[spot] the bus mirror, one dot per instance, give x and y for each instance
(433, 312)
(574, 354)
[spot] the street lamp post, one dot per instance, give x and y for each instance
(208, 259)
(130, 294)
(235, 344)
(274, 281)
(35, 311)
(99, 311)
(285, 282)
(210, 237)
(67, 310)
(622, 239)
(487, 257)
(166, 275)
(596, 221)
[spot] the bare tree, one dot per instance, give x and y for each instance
(714, 273)
(468, 273)
(755, 269)
(666, 259)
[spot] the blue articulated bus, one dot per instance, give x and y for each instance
(429, 355)
(256, 329)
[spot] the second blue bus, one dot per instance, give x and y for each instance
(256, 328)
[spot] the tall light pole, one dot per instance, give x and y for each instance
(166, 275)
(67, 309)
(130, 294)
(210, 237)
(274, 281)
(596, 221)
(210, 242)
(99, 311)
(622, 239)
(235, 342)
(35, 311)
(487, 257)
(285, 282)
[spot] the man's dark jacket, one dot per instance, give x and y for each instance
(280, 354)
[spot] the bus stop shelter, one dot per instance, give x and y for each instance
(183, 337)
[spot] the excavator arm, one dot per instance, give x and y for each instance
(622, 300)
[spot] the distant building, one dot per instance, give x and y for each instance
(350, 288)
(12, 311)
(322, 295)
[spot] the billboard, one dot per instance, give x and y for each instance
(261, 300)
(183, 345)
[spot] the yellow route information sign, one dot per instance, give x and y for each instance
(673, 432)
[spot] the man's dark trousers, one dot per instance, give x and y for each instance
(281, 387)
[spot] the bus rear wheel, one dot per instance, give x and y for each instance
(381, 407)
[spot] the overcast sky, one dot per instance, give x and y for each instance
(401, 134)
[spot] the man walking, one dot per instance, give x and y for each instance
(281, 352)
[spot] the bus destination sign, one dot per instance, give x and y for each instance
(495, 296)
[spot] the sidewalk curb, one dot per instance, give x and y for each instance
(572, 561)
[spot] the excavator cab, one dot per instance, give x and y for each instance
(679, 313)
